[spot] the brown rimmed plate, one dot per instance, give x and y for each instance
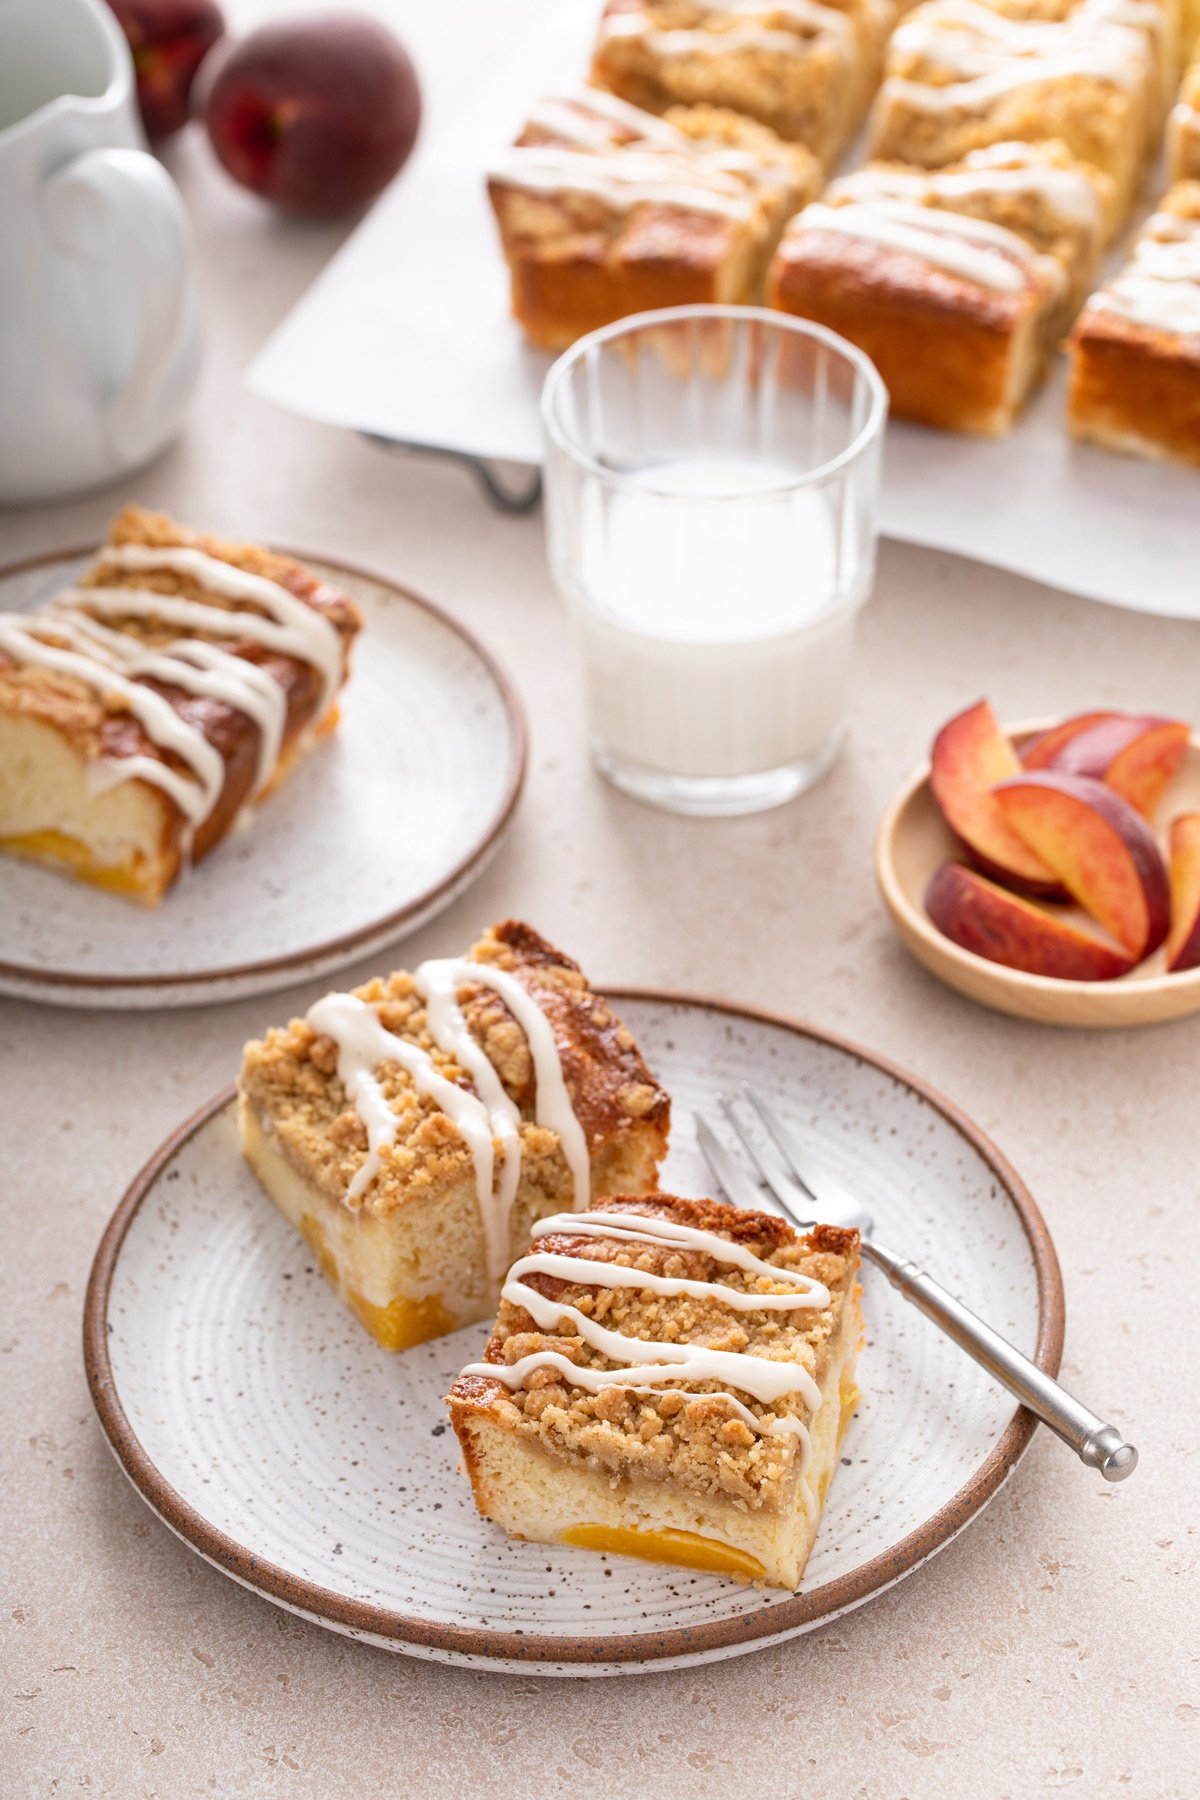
(264, 1427)
(914, 840)
(380, 829)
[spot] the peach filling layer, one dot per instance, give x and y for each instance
(400, 1323)
(667, 1545)
(56, 846)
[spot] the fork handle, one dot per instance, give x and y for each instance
(1094, 1442)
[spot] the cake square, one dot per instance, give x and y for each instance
(1135, 349)
(803, 67)
(605, 210)
(961, 75)
(414, 1130)
(958, 282)
(142, 711)
(669, 1379)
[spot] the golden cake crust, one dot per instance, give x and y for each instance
(687, 1436)
(944, 346)
(1133, 386)
(290, 1078)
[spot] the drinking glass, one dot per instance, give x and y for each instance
(712, 483)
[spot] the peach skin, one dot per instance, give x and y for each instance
(1136, 757)
(970, 755)
(1183, 940)
(991, 922)
(1101, 850)
(1041, 752)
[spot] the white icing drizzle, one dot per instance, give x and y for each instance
(646, 1365)
(21, 637)
(992, 55)
(815, 19)
(623, 178)
(552, 1102)
(197, 667)
(363, 1046)
(173, 609)
(484, 1117)
(323, 644)
(573, 116)
(987, 254)
(997, 169)
(69, 635)
(438, 984)
(1160, 285)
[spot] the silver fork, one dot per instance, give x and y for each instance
(808, 1194)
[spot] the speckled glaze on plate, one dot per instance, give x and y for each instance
(265, 1427)
(377, 831)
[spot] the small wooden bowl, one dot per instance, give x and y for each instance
(914, 840)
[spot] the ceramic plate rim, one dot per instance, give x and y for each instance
(633, 1650)
(1114, 993)
(187, 987)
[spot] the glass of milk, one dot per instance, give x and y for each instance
(712, 479)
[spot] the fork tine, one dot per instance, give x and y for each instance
(828, 1192)
(767, 1161)
(739, 1187)
(770, 1170)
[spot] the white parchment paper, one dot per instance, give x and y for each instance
(407, 334)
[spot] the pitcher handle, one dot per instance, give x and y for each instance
(105, 197)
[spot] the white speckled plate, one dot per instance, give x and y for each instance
(266, 1428)
(377, 831)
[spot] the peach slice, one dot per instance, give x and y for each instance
(1041, 752)
(1136, 757)
(1101, 850)
(1183, 940)
(991, 922)
(970, 755)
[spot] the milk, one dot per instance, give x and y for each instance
(716, 633)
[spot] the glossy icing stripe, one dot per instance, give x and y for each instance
(988, 256)
(485, 1118)
(364, 1045)
(623, 179)
(1159, 287)
(321, 638)
(438, 984)
(667, 41)
(1067, 192)
(552, 1102)
(647, 1365)
(163, 725)
(199, 668)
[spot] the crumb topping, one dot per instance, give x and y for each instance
(290, 1078)
(686, 1434)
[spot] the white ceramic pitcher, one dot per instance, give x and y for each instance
(99, 324)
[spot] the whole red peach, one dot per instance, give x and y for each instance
(316, 114)
(169, 40)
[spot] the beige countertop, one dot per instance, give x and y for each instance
(1053, 1646)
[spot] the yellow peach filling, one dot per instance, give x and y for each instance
(667, 1545)
(849, 1395)
(400, 1323)
(56, 846)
